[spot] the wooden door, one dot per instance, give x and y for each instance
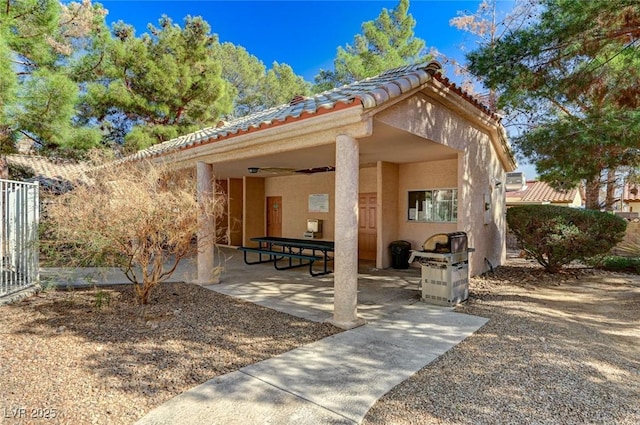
(274, 216)
(367, 229)
(222, 222)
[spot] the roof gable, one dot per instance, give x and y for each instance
(631, 192)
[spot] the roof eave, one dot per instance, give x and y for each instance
(310, 131)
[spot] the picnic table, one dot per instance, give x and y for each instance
(298, 252)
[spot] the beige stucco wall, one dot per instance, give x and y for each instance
(632, 206)
(295, 191)
(423, 176)
(478, 169)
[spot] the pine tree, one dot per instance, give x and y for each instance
(256, 88)
(39, 45)
(572, 83)
(158, 86)
(386, 42)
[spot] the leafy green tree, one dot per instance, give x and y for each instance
(386, 42)
(571, 82)
(160, 85)
(255, 88)
(243, 72)
(281, 85)
(39, 44)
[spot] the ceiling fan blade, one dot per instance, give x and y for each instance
(277, 170)
(316, 170)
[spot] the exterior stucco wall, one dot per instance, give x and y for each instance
(476, 173)
(632, 206)
(368, 183)
(295, 191)
(388, 212)
(423, 176)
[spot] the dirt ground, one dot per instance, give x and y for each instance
(95, 357)
(559, 349)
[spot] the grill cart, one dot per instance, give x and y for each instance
(445, 268)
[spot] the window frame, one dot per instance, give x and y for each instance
(418, 212)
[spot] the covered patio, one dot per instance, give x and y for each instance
(372, 152)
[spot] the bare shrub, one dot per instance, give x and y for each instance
(141, 217)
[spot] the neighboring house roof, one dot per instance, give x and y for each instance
(538, 192)
(54, 174)
(367, 94)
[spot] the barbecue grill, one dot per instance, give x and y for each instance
(445, 268)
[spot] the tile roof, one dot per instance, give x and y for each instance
(368, 93)
(52, 173)
(538, 191)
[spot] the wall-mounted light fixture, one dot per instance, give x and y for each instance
(253, 170)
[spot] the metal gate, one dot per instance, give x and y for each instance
(20, 208)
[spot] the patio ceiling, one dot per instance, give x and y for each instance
(386, 144)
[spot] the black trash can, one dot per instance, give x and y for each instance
(400, 253)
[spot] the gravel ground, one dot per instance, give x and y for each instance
(63, 360)
(561, 349)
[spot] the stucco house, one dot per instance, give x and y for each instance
(400, 156)
(631, 198)
(540, 193)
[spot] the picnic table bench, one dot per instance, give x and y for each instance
(274, 249)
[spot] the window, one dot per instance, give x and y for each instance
(436, 205)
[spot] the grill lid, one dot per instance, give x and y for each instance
(437, 243)
(446, 243)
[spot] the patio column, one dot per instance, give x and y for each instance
(206, 227)
(345, 283)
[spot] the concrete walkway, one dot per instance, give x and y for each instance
(332, 381)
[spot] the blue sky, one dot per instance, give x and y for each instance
(303, 34)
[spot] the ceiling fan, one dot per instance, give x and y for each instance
(284, 170)
(271, 170)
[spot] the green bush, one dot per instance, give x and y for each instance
(616, 263)
(555, 236)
